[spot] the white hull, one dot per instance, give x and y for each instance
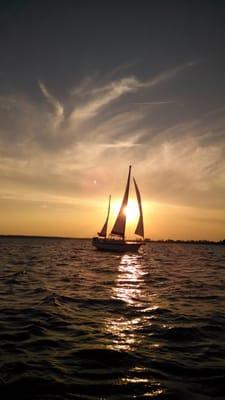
(116, 245)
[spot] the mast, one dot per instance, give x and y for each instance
(120, 223)
(103, 231)
(140, 225)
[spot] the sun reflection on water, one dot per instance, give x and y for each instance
(129, 280)
(131, 325)
(130, 288)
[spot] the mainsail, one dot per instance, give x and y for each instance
(120, 224)
(103, 232)
(140, 226)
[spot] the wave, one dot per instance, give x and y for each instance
(77, 324)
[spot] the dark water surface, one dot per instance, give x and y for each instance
(76, 323)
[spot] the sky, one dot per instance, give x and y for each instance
(88, 88)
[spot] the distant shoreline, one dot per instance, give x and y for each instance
(220, 242)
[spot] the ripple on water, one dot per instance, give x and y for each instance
(77, 323)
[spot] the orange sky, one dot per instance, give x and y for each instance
(84, 218)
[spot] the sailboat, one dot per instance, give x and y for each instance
(116, 240)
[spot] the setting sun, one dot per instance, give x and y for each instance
(131, 211)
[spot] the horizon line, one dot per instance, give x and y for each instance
(89, 238)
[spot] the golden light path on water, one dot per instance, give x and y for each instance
(128, 328)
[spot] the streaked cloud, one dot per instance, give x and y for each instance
(171, 73)
(104, 96)
(57, 106)
(98, 131)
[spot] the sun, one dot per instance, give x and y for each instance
(131, 211)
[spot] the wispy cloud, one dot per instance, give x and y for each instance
(57, 106)
(103, 96)
(178, 159)
(155, 103)
(170, 74)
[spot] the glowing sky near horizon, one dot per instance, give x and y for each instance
(84, 94)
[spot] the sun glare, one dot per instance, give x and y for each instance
(131, 211)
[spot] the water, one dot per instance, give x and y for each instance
(76, 323)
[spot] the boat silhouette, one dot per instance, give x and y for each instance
(116, 240)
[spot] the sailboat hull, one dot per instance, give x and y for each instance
(116, 245)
